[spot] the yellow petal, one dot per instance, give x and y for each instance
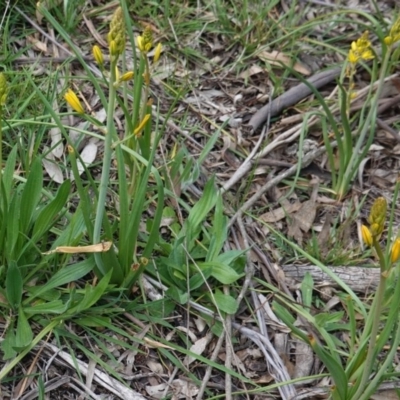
(366, 235)
(72, 99)
(395, 253)
(98, 55)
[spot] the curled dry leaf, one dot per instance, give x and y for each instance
(155, 344)
(93, 248)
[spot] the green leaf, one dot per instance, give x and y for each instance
(307, 286)
(198, 279)
(8, 175)
(324, 319)
(92, 294)
(225, 302)
(234, 259)
(66, 275)
(14, 285)
(218, 231)
(334, 368)
(12, 218)
(200, 210)
(94, 322)
(8, 344)
(31, 195)
(24, 334)
(46, 218)
(51, 307)
(178, 295)
(221, 272)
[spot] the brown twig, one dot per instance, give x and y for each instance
(292, 96)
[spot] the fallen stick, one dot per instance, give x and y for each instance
(359, 279)
(292, 96)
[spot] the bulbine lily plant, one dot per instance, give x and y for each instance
(138, 188)
(372, 351)
(355, 132)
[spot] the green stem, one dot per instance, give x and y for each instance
(376, 310)
(1, 145)
(354, 160)
(105, 174)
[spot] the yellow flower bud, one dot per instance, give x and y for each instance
(98, 56)
(117, 33)
(394, 34)
(395, 253)
(3, 89)
(377, 216)
(157, 52)
(145, 42)
(113, 48)
(366, 235)
(141, 125)
(127, 76)
(72, 99)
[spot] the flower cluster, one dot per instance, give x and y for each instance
(360, 50)
(117, 36)
(394, 34)
(376, 220)
(145, 43)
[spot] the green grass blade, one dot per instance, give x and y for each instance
(31, 195)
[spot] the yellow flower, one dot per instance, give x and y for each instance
(141, 125)
(98, 56)
(72, 99)
(360, 49)
(366, 235)
(157, 53)
(377, 216)
(395, 253)
(127, 76)
(3, 89)
(145, 42)
(394, 34)
(116, 37)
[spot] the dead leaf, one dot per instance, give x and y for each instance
(277, 58)
(281, 212)
(93, 248)
(324, 235)
(155, 367)
(253, 70)
(180, 388)
(51, 166)
(304, 218)
(37, 44)
(88, 155)
(198, 348)
(155, 344)
(386, 395)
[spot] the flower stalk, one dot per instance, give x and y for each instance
(3, 98)
(116, 40)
